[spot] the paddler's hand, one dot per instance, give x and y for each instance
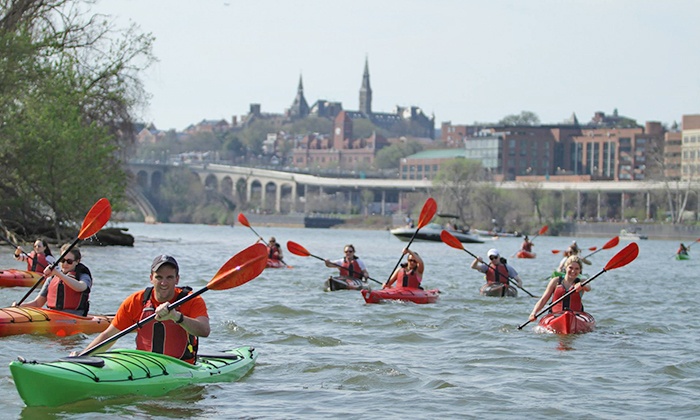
(164, 314)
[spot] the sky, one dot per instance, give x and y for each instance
(460, 60)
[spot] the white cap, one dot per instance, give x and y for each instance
(493, 252)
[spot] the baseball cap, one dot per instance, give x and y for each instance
(164, 259)
(493, 252)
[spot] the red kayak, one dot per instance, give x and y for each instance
(567, 322)
(408, 294)
(275, 264)
(525, 254)
(18, 278)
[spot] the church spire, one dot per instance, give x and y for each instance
(299, 108)
(366, 92)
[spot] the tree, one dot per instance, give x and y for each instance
(68, 87)
(524, 118)
(455, 182)
(390, 156)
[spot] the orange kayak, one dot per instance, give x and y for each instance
(18, 278)
(525, 254)
(275, 264)
(24, 320)
(407, 294)
(567, 322)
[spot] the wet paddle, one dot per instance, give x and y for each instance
(621, 259)
(299, 250)
(426, 215)
(610, 244)
(239, 269)
(95, 219)
(556, 251)
(244, 221)
(452, 241)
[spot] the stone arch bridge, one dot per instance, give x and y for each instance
(288, 192)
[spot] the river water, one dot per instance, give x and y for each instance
(330, 355)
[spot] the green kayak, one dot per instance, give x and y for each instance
(682, 257)
(122, 372)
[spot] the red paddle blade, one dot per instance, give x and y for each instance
(556, 251)
(612, 243)
(241, 268)
(243, 220)
(450, 240)
(543, 230)
(593, 248)
(297, 249)
(624, 257)
(96, 218)
(427, 213)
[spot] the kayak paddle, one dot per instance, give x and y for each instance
(610, 244)
(452, 241)
(426, 215)
(621, 259)
(244, 221)
(95, 219)
(239, 269)
(556, 251)
(299, 250)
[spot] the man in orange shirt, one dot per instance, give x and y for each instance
(173, 332)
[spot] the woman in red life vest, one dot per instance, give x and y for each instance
(496, 271)
(527, 244)
(38, 259)
(350, 265)
(173, 332)
(67, 286)
(274, 250)
(558, 286)
(408, 275)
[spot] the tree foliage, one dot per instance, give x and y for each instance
(455, 183)
(390, 156)
(68, 87)
(524, 118)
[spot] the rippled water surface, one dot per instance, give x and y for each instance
(329, 355)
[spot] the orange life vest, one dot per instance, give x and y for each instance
(165, 337)
(62, 297)
(351, 269)
(36, 263)
(497, 274)
(407, 278)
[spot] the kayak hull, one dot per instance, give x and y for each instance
(122, 372)
(682, 257)
(402, 294)
(18, 278)
(525, 254)
(334, 283)
(498, 290)
(567, 322)
(275, 264)
(25, 320)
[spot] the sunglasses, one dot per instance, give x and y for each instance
(411, 260)
(493, 257)
(68, 261)
(349, 251)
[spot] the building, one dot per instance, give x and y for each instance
(690, 160)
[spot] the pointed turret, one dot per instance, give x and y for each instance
(366, 92)
(299, 108)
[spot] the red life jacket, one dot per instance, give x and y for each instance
(497, 274)
(407, 278)
(351, 269)
(572, 302)
(61, 297)
(165, 337)
(273, 252)
(36, 263)
(527, 246)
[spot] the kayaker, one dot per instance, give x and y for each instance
(559, 285)
(409, 274)
(350, 265)
(274, 250)
(39, 258)
(67, 286)
(497, 271)
(526, 245)
(173, 332)
(562, 264)
(682, 250)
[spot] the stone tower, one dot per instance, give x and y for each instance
(299, 108)
(366, 92)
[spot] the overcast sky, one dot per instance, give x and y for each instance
(461, 60)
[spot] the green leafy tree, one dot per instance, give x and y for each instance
(524, 118)
(455, 182)
(390, 156)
